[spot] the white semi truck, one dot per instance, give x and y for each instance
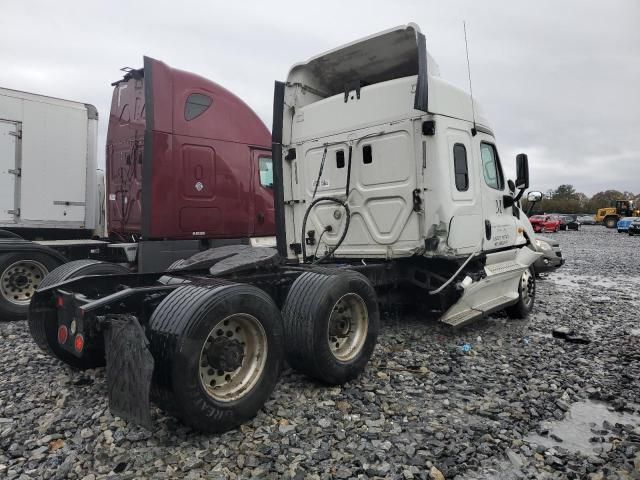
(387, 182)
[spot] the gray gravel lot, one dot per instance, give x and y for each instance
(518, 404)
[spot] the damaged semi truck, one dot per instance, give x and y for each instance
(384, 183)
(188, 167)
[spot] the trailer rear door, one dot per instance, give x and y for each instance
(9, 133)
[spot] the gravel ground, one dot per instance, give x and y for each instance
(425, 408)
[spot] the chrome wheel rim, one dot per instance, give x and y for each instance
(348, 327)
(20, 281)
(527, 287)
(233, 357)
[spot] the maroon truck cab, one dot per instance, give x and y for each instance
(186, 159)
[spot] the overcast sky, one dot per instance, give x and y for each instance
(558, 80)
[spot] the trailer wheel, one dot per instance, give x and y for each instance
(331, 324)
(20, 276)
(218, 352)
(43, 321)
(526, 296)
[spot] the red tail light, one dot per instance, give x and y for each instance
(78, 343)
(63, 334)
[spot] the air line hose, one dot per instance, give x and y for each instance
(315, 201)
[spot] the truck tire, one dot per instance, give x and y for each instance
(43, 324)
(218, 352)
(610, 222)
(526, 296)
(331, 324)
(20, 276)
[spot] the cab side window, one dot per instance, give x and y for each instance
(491, 168)
(196, 105)
(460, 167)
(265, 165)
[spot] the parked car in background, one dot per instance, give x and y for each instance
(623, 224)
(634, 227)
(545, 223)
(568, 222)
(551, 258)
(586, 220)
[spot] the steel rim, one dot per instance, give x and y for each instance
(20, 281)
(233, 357)
(348, 327)
(527, 288)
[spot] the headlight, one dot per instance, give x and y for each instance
(544, 246)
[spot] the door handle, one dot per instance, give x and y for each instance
(487, 229)
(260, 217)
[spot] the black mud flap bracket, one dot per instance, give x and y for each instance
(129, 369)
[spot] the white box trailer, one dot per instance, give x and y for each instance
(48, 164)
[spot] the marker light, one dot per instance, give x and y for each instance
(78, 343)
(63, 334)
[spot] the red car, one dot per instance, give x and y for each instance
(545, 223)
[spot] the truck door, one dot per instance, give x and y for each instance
(499, 222)
(9, 170)
(466, 229)
(264, 215)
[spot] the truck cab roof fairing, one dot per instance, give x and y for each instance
(394, 53)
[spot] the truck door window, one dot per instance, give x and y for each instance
(196, 105)
(491, 166)
(265, 165)
(460, 167)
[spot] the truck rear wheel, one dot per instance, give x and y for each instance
(331, 324)
(610, 222)
(43, 323)
(20, 276)
(218, 352)
(526, 296)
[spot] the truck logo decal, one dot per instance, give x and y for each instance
(199, 186)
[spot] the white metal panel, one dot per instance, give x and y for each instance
(8, 142)
(55, 159)
(54, 155)
(383, 222)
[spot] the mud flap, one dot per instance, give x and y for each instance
(129, 369)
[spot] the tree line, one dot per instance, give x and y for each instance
(565, 199)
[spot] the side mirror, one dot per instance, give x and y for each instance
(534, 197)
(522, 171)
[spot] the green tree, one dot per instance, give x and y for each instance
(565, 192)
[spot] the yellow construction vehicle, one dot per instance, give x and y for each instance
(609, 216)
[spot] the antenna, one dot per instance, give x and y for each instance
(474, 131)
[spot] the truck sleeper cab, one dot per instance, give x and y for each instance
(187, 160)
(383, 183)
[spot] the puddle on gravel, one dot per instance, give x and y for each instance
(575, 429)
(609, 282)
